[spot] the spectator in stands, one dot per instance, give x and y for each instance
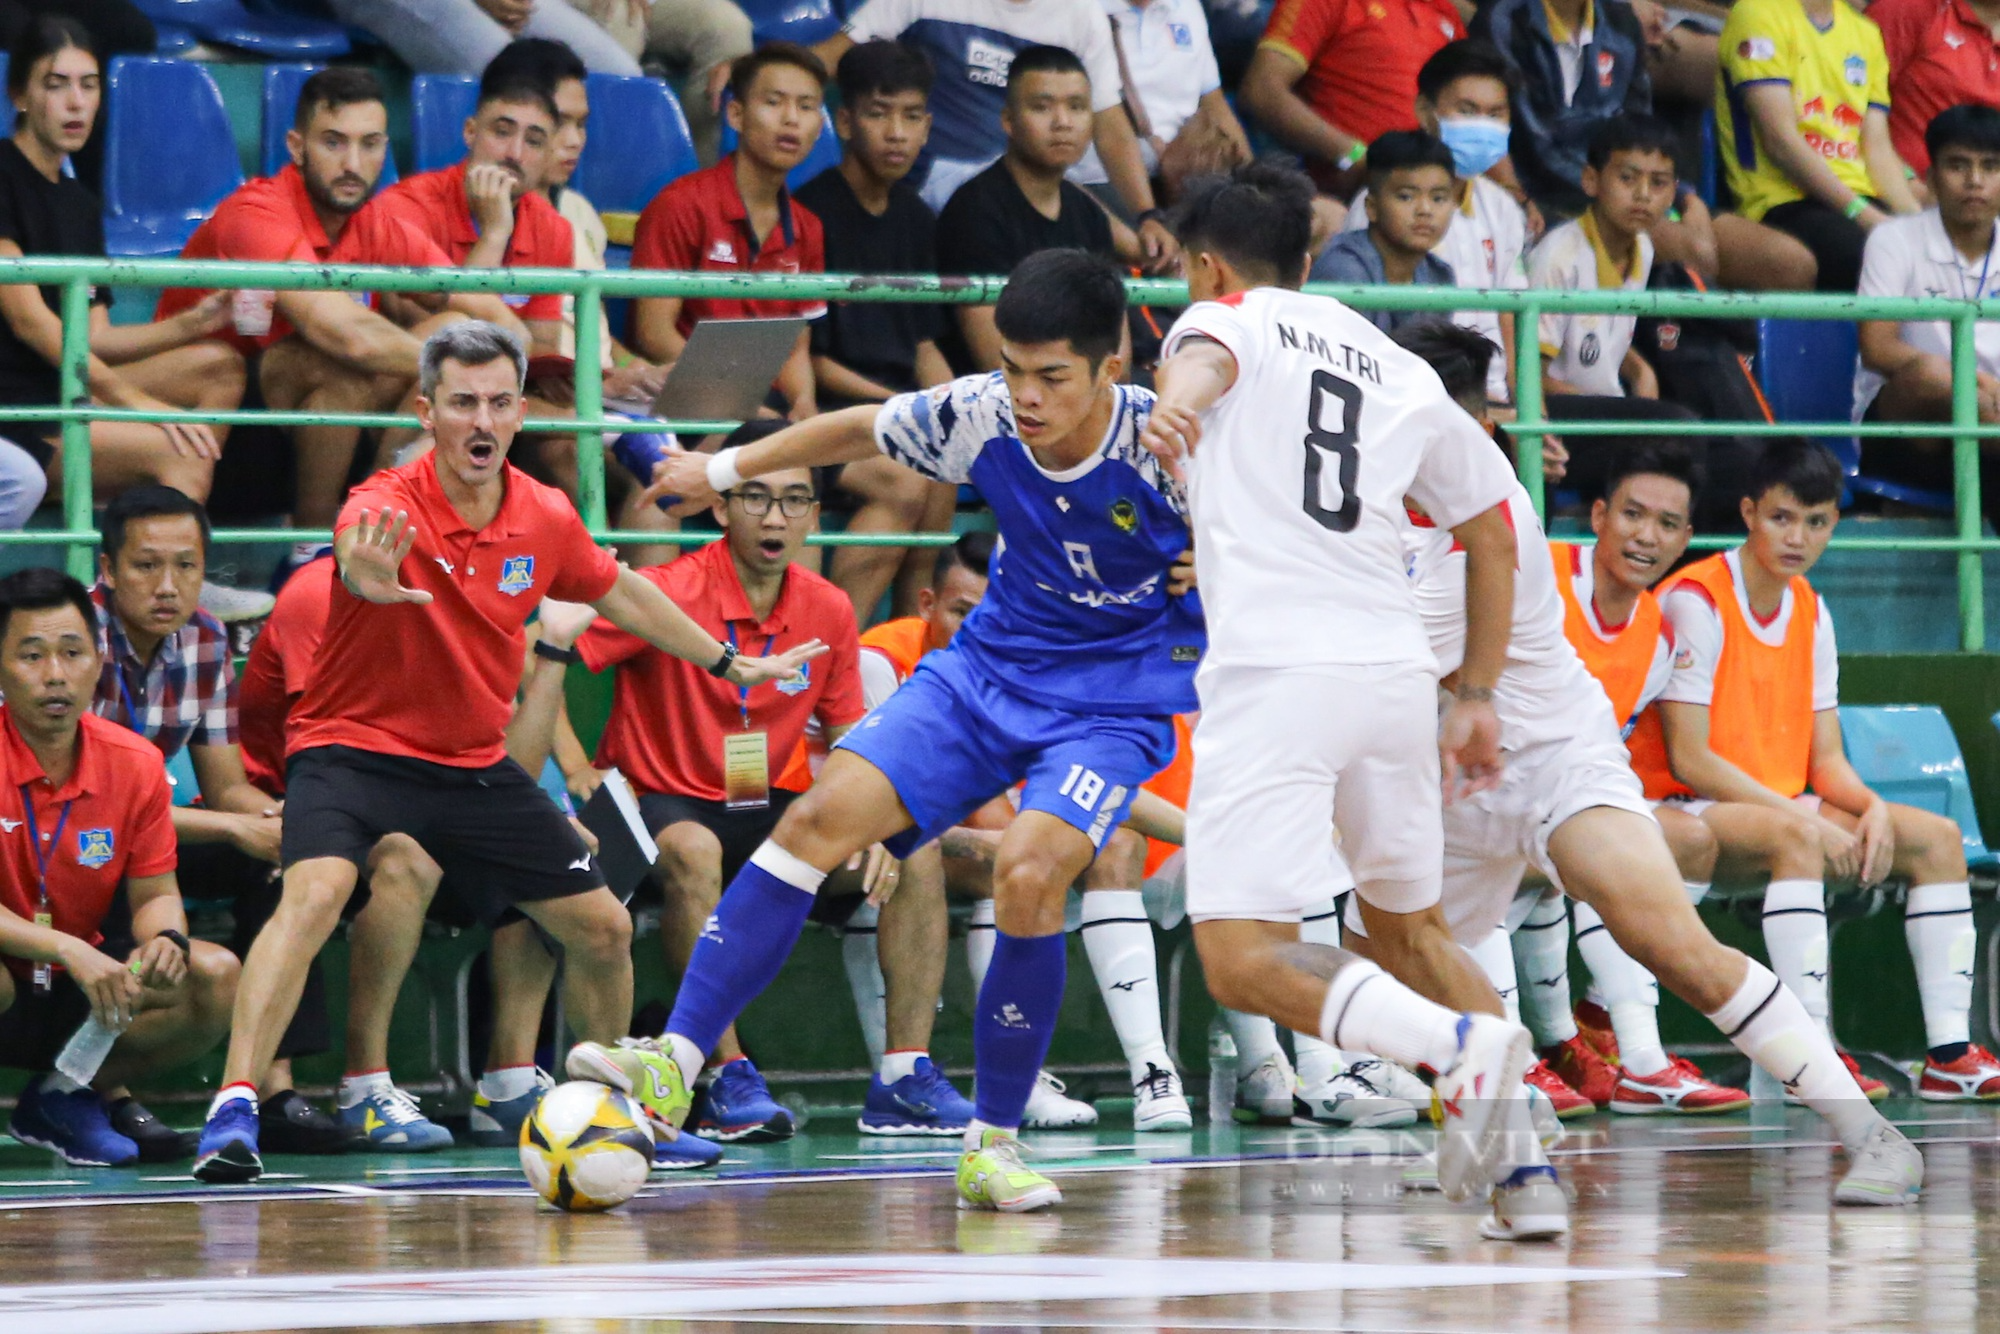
(697, 39)
(54, 81)
(738, 216)
(1412, 197)
(1802, 122)
(702, 754)
(119, 29)
(1942, 53)
(99, 795)
(1332, 76)
(463, 36)
(868, 352)
(973, 44)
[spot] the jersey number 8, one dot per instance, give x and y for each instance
(1335, 442)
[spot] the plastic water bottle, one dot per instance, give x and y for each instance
(1221, 1073)
(83, 1055)
(638, 451)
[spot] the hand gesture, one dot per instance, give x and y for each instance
(1171, 435)
(381, 541)
(489, 188)
(161, 964)
(779, 667)
(1469, 748)
(681, 477)
(111, 986)
(563, 623)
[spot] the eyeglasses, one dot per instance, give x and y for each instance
(756, 504)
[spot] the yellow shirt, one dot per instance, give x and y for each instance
(1835, 76)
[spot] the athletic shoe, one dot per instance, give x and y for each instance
(293, 1125)
(228, 1148)
(1392, 1080)
(1874, 1088)
(1267, 1095)
(1051, 1108)
(737, 1107)
(1530, 1205)
(497, 1125)
(1568, 1103)
(1973, 1077)
(1542, 1115)
(1593, 1025)
(922, 1102)
(157, 1141)
(1421, 1174)
(1583, 1068)
(73, 1125)
(682, 1150)
(389, 1121)
(1886, 1169)
(641, 1068)
(993, 1176)
(1679, 1090)
(1159, 1102)
(1349, 1100)
(1472, 1095)
(230, 605)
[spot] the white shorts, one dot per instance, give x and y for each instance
(1805, 801)
(1282, 757)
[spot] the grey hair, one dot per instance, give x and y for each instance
(469, 343)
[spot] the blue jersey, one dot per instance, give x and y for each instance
(1076, 615)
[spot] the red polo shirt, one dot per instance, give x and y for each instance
(668, 716)
(436, 682)
(434, 203)
(271, 220)
(119, 825)
(1940, 55)
(275, 676)
(699, 223)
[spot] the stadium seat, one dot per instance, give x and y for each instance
(170, 155)
(1908, 753)
(825, 150)
(439, 105)
(273, 34)
(801, 21)
(281, 100)
(180, 778)
(638, 143)
(173, 39)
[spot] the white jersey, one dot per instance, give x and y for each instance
(1297, 485)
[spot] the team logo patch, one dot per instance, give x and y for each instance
(722, 252)
(1181, 33)
(1607, 68)
(797, 685)
(1684, 658)
(1590, 351)
(516, 300)
(1855, 69)
(1125, 514)
(517, 575)
(1756, 48)
(1185, 653)
(1669, 335)
(93, 847)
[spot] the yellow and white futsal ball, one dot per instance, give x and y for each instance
(587, 1147)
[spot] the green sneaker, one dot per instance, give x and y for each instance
(992, 1176)
(638, 1067)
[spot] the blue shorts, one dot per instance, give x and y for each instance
(950, 741)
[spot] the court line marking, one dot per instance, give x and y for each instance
(1165, 1321)
(1044, 1155)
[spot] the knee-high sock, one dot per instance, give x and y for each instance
(1541, 958)
(1256, 1040)
(1016, 1018)
(1495, 957)
(1524, 1145)
(1317, 1061)
(979, 943)
(864, 977)
(1368, 1010)
(1773, 1028)
(1937, 922)
(1631, 994)
(744, 944)
(1795, 938)
(1118, 938)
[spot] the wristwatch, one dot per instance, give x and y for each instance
(1158, 215)
(178, 939)
(544, 649)
(721, 669)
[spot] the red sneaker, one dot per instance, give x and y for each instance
(1580, 1066)
(1874, 1088)
(1973, 1077)
(1568, 1102)
(1593, 1024)
(1678, 1090)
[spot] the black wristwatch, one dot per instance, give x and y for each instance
(544, 649)
(721, 669)
(187, 950)
(1158, 215)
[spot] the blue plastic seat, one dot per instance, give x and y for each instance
(181, 780)
(638, 144)
(439, 106)
(281, 100)
(801, 21)
(170, 156)
(275, 35)
(825, 150)
(1909, 754)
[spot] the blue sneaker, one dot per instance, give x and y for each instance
(683, 1151)
(497, 1125)
(74, 1125)
(389, 1121)
(228, 1148)
(738, 1106)
(920, 1103)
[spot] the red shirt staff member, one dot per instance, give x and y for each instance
(86, 813)
(442, 562)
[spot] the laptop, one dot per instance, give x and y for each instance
(726, 369)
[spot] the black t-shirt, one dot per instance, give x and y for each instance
(877, 339)
(43, 217)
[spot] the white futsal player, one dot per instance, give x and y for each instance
(1301, 428)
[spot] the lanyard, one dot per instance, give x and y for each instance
(743, 692)
(35, 841)
(1979, 291)
(125, 694)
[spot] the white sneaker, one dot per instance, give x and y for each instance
(1159, 1103)
(1051, 1108)
(1886, 1169)
(1265, 1095)
(1542, 1110)
(1529, 1206)
(1473, 1096)
(230, 605)
(1392, 1080)
(1349, 1100)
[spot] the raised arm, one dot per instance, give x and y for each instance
(636, 604)
(1189, 382)
(846, 436)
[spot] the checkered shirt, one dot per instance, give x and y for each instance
(186, 697)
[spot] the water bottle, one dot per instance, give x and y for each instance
(1221, 1073)
(638, 451)
(83, 1055)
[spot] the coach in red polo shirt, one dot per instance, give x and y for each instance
(84, 813)
(738, 217)
(1942, 53)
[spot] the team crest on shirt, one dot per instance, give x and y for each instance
(722, 252)
(797, 685)
(1125, 514)
(1590, 351)
(517, 575)
(1181, 33)
(1607, 68)
(93, 847)
(1856, 70)
(1669, 335)
(1757, 48)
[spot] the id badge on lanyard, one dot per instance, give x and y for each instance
(44, 972)
(746, 756)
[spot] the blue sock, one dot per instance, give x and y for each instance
(744, 943)
(1014, 1022)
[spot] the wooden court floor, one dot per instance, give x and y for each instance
(1678, 1226)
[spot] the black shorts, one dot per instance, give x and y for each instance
(38, 1025)
(1836, 241)
(740, 833)
(495, 834)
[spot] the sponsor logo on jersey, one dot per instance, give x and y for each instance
(1185, 653)
(1756, 48)
(517, 575)
(1846, 117)
(1814, 106)
(987, 63)
(93, 847)
(1125, 514)
(722, 252)
(1855, 70)
(797, 685)
(1607, 68)
(1669, 335)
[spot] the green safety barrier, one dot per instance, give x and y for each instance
(76, 277)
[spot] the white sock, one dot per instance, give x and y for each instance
(233, 1092)
(58, 1082)
(864, 978)
(1317, 1061)
(1773, 1028)
(975, 1129)
(687, 1056)
(354, 1089)
(1697, 890)
(1495, 957)
(1631, 994)
(1524, 1146)
(507, 1083)
(1118, 938)
(774, 860)
(1366, 1009)
(896, 1065)
(1795, 938)
(1256, 1040)
(1541, 960)
(979, 937)
(1937, 922)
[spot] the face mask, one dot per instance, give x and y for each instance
(1476, 143)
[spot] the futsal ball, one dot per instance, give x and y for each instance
(586, 1147)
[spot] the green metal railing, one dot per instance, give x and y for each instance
(591, 288)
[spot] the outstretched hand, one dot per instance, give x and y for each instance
(779, 667)
(375, 559)
(1171, 434)
(681, 480)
